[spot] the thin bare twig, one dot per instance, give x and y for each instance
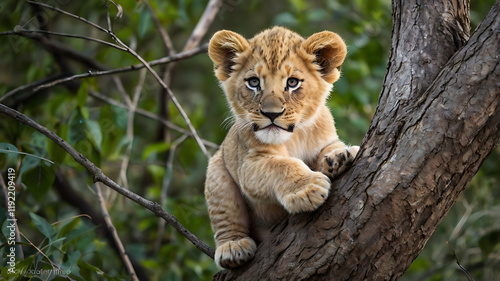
(72, 218)
(204, 23)
(468, 210)
(167, 180)
(171, 96)
(168, 70)
(130, 127)
(27, 33)
(43, 254)
(107, 14)
(26, 154)
(163, 33)
(114, 234)
(30, 85)
(121, 89)
(39, 85)
(99, 176)
(150, 115)
(469, 276)
(70, 15)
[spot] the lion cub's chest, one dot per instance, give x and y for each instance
(307, 144)
(305, 150)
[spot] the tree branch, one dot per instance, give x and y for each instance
(41, 84)
(99, 176)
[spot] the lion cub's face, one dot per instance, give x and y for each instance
(277, 81)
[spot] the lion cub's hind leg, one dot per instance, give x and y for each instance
(228, 215)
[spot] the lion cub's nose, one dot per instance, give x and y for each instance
(272, 107)
(272, 115)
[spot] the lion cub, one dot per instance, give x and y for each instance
(279, 155)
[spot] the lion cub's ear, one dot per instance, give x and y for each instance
(329, 50)
(223, 49)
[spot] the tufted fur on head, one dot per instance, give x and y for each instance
(326, 49)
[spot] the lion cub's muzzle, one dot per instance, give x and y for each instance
(272, 108)
(273, 115)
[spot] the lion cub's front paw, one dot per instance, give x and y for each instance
(338, 160)
(235, 253)
(310, 197)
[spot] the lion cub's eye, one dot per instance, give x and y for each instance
(253, 83)
(292, 84)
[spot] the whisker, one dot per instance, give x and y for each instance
(231, 120)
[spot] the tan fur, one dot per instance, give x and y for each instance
(279, 155)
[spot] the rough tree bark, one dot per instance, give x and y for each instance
(437, 120)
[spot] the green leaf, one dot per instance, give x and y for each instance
(38, 143)
(58, 244)
(156, 172)
(20, 267)
(38, 180)
(154, 149)
(85, 112)
(79, 232)
(93, 132)
(145, 23)
(71, 263)
(84, 265)
(43, 226)
(120, 117)
(10, 158)
(82, 93)
(60, 105)
(76, 129)
(28, 163)
(120, 147)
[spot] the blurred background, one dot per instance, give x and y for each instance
(152, 159)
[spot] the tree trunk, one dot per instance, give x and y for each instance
(437, 120)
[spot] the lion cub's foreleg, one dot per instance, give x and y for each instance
(228, 215)
(284, 180)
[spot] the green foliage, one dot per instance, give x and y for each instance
(71, 241)
(61, 253)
